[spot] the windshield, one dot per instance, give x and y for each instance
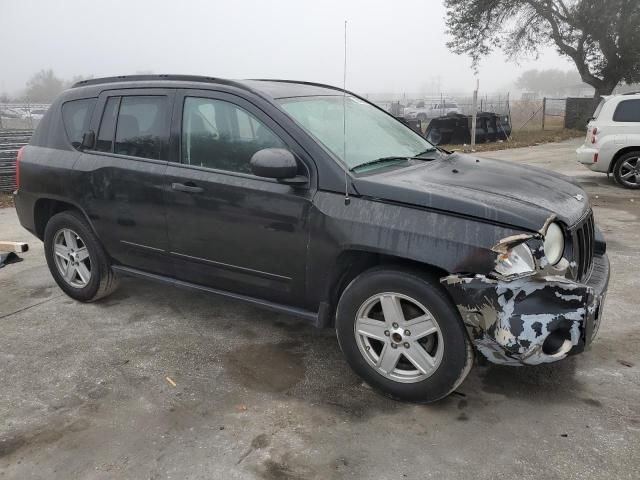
(370, 134)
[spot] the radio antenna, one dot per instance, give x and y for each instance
(347, 200)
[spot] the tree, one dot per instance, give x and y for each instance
(44, 86)
(552, 81)
(601, 37)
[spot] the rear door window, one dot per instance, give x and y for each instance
(75, 116)
(136, 126)
(142, 128)
(627, 111)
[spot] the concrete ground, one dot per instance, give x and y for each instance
(84, 390)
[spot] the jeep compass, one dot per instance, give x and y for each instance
(309, 200)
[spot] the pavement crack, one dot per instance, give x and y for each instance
(30, 306)
(244, 455)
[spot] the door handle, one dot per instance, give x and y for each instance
(181, 187)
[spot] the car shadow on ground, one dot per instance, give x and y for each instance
(284, 357)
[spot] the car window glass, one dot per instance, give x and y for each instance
(75, 116)
(221, 135)
(370, 133)
(142, 126)
(598, 108)
(108, 125)
(627, 111)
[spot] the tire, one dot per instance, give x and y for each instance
(90, 276)
(435, 136)
(448, 347)
(626, 171)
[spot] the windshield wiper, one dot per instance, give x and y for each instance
(379, 160)
(428, 150)
(395, 158)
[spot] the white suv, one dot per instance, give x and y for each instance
(612, 144)
(423, 111)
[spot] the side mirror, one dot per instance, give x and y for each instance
(88, 140)
(277, 163)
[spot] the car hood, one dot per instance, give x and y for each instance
(493, 190)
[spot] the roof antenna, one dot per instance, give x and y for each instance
(347, 200)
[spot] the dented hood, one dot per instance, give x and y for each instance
(504, 192)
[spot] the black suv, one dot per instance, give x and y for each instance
(309, 200)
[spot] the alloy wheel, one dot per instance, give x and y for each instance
(630, 172)
(398, 337)
(72, 258)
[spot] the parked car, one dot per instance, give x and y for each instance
(37, 113)
(612, 144)
(419, 258)
(11, 113)
(424, 111)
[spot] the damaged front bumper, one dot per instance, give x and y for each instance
(533, 320)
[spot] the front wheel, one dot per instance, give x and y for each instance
(401, 334)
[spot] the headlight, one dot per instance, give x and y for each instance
(516, 262)
(553, 243)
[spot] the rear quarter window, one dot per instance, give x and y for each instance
(75, 116)
(598, 109)
(627, 111)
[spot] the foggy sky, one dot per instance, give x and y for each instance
(392, 46)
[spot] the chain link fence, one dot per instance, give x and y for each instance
(10, 142)
(529, 114)
(21, 115)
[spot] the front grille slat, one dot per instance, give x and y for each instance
(581, 252)
(584, 245)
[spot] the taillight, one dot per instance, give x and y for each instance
(594, 132)
(18, 158)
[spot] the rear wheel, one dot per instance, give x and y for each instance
(627, 170)
(76, 259)
(401, 334)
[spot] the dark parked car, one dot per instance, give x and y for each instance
(257, 191)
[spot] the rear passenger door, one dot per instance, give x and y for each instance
(120, 181)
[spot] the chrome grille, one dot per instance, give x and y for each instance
(583, 246)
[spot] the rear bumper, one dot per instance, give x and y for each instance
(590, 158)
(532, 320)
(25, 208)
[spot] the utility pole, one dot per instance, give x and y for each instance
(474, 114)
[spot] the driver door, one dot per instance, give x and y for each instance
(229, 229)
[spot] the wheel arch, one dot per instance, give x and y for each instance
(351, 263)
(45, 208)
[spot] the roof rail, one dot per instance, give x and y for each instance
(300, 82)
(142, 78)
